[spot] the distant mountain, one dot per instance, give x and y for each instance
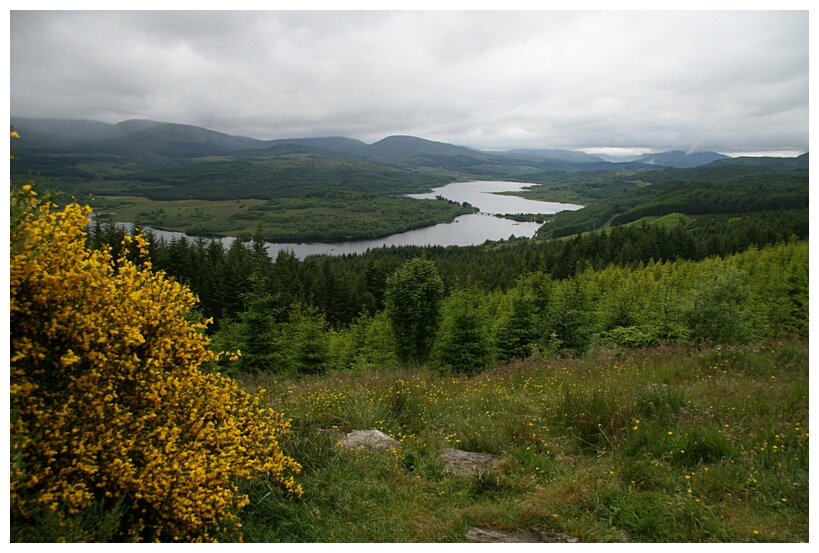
(134, 138)
(561, 155)
(799, 162)
(162, 143)
(678, 158)
(133, 125)
(615, 159)
(176, 141)
(403, 146)
(156, 143)
(65, 129)
(337, 144)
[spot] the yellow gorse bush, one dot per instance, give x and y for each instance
(108, 401)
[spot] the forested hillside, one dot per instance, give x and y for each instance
(710, 190)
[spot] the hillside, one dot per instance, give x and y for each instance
(799, 162)
(717, 188)
(78, 151)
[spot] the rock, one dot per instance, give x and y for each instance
(466, 463)
(368, 439)
(528, 535)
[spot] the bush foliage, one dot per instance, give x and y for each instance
(110, 411)
(413, 297)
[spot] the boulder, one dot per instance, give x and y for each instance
(466, 463)
(368, 439)
(528, 535)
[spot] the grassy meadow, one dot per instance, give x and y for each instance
(177, 215)
(333, 216)
(667, 444)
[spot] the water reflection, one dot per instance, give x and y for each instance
(484, 195)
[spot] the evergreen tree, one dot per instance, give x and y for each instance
(464, 343)
(514, 329)
(413, 301)
(305, 339)
(258, 332)
(568, 320)
(718, 308)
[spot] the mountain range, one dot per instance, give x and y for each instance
(160, 143)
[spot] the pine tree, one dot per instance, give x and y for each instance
(413, 301)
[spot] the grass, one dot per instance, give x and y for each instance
(333, 217)
(669, 444)
(179, 214)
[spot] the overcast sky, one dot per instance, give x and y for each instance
(730, 81)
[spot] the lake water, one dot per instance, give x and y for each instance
(466, 230)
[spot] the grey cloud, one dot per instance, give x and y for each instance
(728, 81)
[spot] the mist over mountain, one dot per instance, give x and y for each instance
(564, 155)
(678, 158)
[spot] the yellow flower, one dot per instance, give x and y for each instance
(134, 414)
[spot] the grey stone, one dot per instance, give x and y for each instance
(369, 439)
(528, 535)
(466, 463)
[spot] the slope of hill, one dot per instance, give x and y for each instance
(560, 155)
(168, 139)
(678, 158)
(338, 144)
(75, 130)
(401, 146)
(799, 162)
(88, 156)
(712, 189)
(82, 156)
(158, 143)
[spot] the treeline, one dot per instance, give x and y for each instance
(726, 190)
(326, 216)
(743, 196)
(752, 295)
(276, 178)
(335, 216)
